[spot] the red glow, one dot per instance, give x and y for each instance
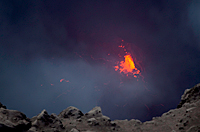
(61, 95)
(121, 46)
(61, 80)
(146, 106)
(127, 66)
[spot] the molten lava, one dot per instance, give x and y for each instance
(127, 66)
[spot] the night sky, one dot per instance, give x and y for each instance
(42, 42)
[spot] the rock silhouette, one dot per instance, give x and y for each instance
(185, 118)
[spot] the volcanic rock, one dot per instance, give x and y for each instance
(186, 118)
(72, 112)
(93, 121)
(74, 130)
(45, 122)
(2, 106)
(13, 120)
(190, 95)
(95, 112)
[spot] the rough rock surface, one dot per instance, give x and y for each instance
(186, 118)
(71, 112)
(45, 122)
(190, 95)
(2, 106)
(12, 120)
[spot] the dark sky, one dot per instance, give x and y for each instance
(42, 42)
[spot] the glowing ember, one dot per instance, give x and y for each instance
(127, 66)
(61, 80)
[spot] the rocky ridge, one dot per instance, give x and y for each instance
(186, 118)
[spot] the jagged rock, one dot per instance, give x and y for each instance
(95, 112)
(186, 118)
(2, 106)
(74, 130)
(194, 129)
(32, 129)
(13, 120)
(104, 118)
(71, 112)
(136, 121)
(190, 95)
(44, 117)
(79, 120)
(92, 121)
(190, 109)
(45, 122)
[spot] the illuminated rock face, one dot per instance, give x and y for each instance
(185, 118)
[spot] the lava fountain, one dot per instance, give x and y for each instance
(127, 66)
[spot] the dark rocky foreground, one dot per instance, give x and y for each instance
(185, 118)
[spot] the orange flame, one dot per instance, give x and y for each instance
(127, 66)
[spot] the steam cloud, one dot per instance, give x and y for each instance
(39, 42)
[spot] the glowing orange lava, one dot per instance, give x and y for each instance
(127, 66)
